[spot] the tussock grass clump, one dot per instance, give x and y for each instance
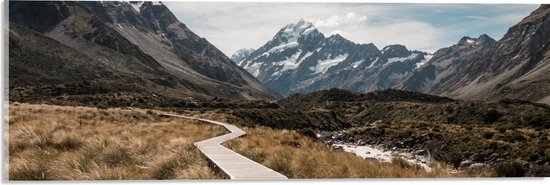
(49, 142)
(183, 158)
(34, 164)
(299, 156)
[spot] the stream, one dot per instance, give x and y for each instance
(378, 152)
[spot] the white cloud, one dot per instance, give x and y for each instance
(334, 21)
(232, 26)
(339, 32)
(413, 34)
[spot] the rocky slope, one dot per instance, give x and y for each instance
(445, 64)
(518, 66)
(143, 39)
(299, 58)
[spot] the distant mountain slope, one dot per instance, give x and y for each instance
(43, 70)
(241, 54)
(141, 38)
(299, 58)
(517, 67)
(445, 64)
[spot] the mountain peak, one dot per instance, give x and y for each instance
(466, 40)
(302, 27)
(483, 38)
(396, 50)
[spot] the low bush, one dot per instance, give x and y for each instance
(509, 169)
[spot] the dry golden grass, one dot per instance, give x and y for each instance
(65, 142)
(297, 156)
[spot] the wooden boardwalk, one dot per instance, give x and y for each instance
(231, 163)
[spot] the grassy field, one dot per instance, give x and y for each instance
(64, 142)
(298, 156)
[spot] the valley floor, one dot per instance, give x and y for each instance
(67, 142)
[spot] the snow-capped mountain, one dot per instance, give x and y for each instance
(299, 58)
(446, 63)
(241, 54)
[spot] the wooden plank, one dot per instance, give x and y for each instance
(231, 163)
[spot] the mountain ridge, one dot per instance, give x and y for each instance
(516, 67)
(119, 34)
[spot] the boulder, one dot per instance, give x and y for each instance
(476, 165)
(338, 148)
(523, 163)
(465, 164)
(477, 157)
(420, 152)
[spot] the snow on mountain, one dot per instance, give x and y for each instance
(323, 65)
(241, 54)
(299, 58)
(137, 5)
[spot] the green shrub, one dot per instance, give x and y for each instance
(513, 169)
(502, 128)
(519, 137)
(540, 171)
(488, 135)
(492, 115)
(308, 132)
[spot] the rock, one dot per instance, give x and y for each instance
(466, 164)
(408, 155)
(367, 153)
(420, 152)
(338, 148)
(477, 157)
(476, 165)
(523, 162)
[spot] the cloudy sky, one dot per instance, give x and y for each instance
(234, 25)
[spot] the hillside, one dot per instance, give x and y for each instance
(445, 64)
(516, 67)
(157, 56)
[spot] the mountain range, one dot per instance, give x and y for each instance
(300, 59)
(138, 51)
(107, 47)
